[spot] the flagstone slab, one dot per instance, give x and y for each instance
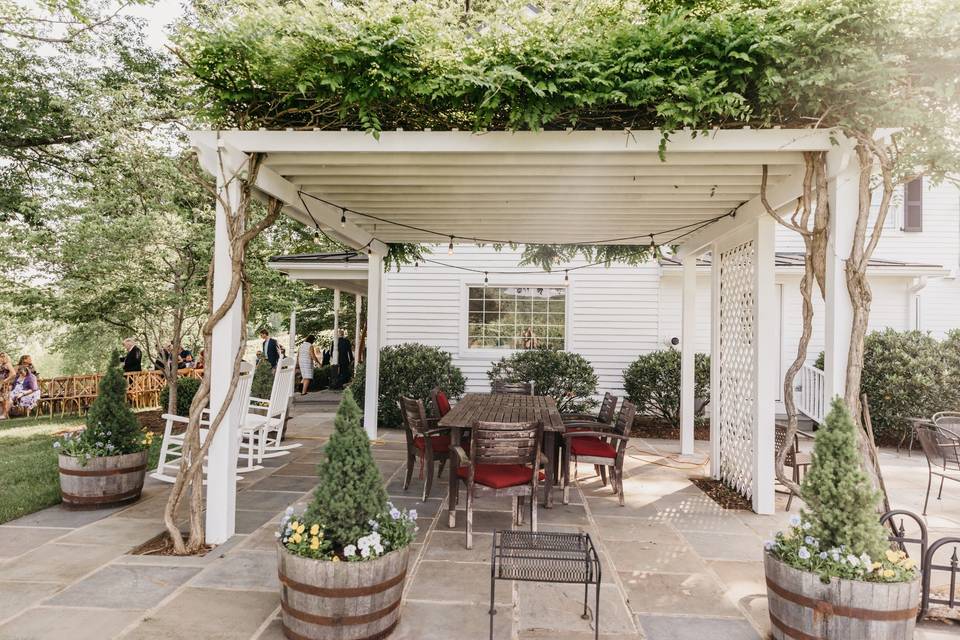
(649, 553)
(463, 582)
(208, 613)
(17, 596)
(123, 586)
(692, 593)
(57, 562)
(746, 586)
(249, 521)
(614, 528)
(483, 521)
(58, 623)
(438, 621)
(152, 509)
(560, 606)
(263, 539)
(690, 628)
(571, 514)
(17, 540)
(725, 546)
(244, 569)
(59, 516)
(285, 483)
(267, 500)
(297, 469)
(129, 532)
(451, 545)
(426, 509)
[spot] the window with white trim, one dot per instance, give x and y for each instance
(516, 317)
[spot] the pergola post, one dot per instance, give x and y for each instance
(358, 305)
(292, 344)
(715, 361)
(844, 197)
(334, 359)
(222, 457)
(688, 347)
(372, 390)
(765, 373)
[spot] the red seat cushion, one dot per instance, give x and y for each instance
(499, 476)
(441, 444)
(443, 405)
(593, 447)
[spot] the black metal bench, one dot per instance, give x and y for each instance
(546, 557)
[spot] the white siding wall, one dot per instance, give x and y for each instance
(612, 312)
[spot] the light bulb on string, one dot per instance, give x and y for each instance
(485, 278)
(653, 245)
(343, 218)
(566, 275)
(450, 248)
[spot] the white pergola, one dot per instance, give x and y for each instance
(563, 187)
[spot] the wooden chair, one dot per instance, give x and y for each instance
(602, 449)
(512, 388)
(943, 458)
(797, 460)
(171, 448)
(424, 441)
(604, 416)
(505, 461)
(263, 424)
(439, 403)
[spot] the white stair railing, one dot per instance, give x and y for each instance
(808, 393)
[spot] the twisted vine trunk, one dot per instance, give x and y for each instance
(239, 236)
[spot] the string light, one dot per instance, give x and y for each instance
(485, 279)
(566, 275)
(343, 218)
(450, 248)
(653, 244)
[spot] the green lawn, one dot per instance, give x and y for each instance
(28, 464)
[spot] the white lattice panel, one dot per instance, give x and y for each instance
(736, 366)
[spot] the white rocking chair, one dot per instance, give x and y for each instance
(171, 448)
(263, 425)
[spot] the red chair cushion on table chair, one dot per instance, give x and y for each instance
(441, 444)
(498, 476)
(593, 447)
(443, 405)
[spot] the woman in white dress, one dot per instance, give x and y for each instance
(306, 358)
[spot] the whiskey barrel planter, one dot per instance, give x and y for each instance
(804, 608)
(323, 600)
(102, 482)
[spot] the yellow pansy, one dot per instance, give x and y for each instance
(315, 543)
(908, 563)
(294, 525)
(888, 573)
(301, 529)
(296, 538)
(902, 554)
(892, 555)
(877, 565)
(336, 558)
(315, 529)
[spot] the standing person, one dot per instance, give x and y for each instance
(306, 357)
(344, 359)
(25, 392)
(7, 373)
(184, 359)
(133, 360)
(271, 349)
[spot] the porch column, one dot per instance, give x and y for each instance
(336, 326)
(222, 457)
(372, 390)
(844, 198)
(765, 374)
(688, 347)
(292, 345)
(715, 361)
(358, 305)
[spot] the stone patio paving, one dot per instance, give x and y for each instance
(675, 565)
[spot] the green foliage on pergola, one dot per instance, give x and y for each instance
(380, 64)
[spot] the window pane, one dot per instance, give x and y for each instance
(516, 317)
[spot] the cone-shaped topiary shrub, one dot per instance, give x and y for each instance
(112, 428)
(351, 492)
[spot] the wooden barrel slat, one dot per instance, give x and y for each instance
(323, 600)
(102, 482)
(804, 608)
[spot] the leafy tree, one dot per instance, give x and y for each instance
(350, 492)
(567, 377)
(652, 382)
(841, 503)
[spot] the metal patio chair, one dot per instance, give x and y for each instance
(506, 460)
(943, 458)
(948, 421)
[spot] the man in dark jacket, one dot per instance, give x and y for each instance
(133, 360)
(271, 350)
(344, 359)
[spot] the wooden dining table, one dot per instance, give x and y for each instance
(491, 407)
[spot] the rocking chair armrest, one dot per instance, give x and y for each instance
(460, 457)
(174, 418)
(258, 400)
(596, 434)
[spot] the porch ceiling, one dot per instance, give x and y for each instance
(525, 187)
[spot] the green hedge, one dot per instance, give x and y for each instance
(410, 370)
(186, 389)
(652, 382)
(568, 377)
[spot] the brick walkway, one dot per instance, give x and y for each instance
(674, 564)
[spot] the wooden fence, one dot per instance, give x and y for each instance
(75, 394)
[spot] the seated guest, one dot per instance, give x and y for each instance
(27, 361)
(25, 391)
(184, 359)
(7, 373)
(200, 361)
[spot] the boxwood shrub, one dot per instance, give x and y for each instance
(652, 382)
(568, 377)
(186, 389)
(411, 370)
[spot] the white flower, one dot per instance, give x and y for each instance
(794, 521)
(853, 560)
(349, 551)
(413, 514)
(276, 534)
(835, 555)
(823, 555)
(289, 511)
(374, 538)
(866, 561)
(803, 553)
(378, 548)
(56, 445)
(768, 545)
(807, 526)
(365, 552)
(810, 540)
(395, 513)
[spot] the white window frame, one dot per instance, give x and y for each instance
(553, 281)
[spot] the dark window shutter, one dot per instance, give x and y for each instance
(913, 205)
